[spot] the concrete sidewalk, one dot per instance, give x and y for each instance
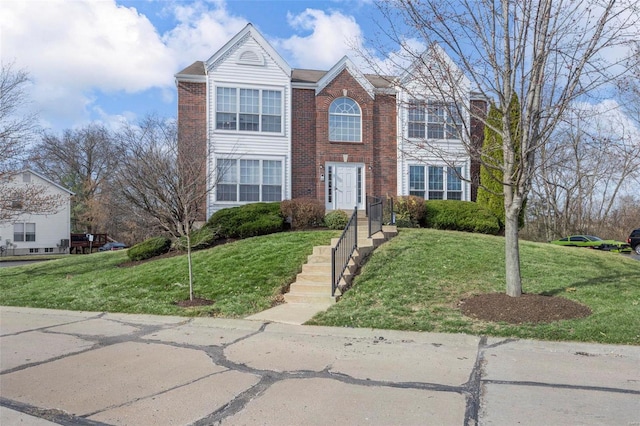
(91, 368)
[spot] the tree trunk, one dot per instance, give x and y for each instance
(188, 236)
(512, 253)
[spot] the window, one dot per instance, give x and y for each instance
(24, 232)
(433, 120)
(249, 180)
(344, 121)
(34, 250)
(249, 110)
(436, 182)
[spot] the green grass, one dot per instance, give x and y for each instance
(242, 278)
(413, 282)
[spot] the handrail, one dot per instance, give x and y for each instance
(343, 250)
(374, 214)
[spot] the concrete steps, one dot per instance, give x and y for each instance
(313, 284)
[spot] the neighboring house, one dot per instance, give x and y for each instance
(269, 132)
(37, 233)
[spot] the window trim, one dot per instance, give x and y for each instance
(426, 186)
(261, 105)
(238, 180)
(25, 235)
(419, 120)
(343, 115)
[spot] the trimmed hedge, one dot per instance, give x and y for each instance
(336, 219)
(245, 221)
(200, 239)
(464, 216)
(149, 248)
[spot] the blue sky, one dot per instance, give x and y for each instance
(114, 60)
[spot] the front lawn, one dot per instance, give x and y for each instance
(243, 277)
(416, 281)
(413, 282)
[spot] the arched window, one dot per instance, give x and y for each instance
(344, 121)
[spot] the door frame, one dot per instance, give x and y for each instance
(359, 185)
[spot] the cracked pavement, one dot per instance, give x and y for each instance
(87, 368)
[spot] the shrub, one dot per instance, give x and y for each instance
(200, 239)
(464, 216)
(336, 219)
(149, 248)
(303, 212)
(247, 221)
(410, 211)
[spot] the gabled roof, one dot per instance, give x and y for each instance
(304, 76)
(49, 181)
(433, 51)
(248, 31)
(346, 64)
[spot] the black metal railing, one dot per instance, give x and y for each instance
(343, 250)
(374, 214)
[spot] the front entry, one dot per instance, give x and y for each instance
(344, 188)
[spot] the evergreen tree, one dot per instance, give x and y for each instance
(490, 193)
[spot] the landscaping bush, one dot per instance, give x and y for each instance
(200, 239)
(303, 212)
(410, 211)
(460, 216)
(336, 219)
(149, 248)
(247, 221)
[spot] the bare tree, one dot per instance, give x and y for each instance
(17, 130)
(83, 160)
(585, 171)
(164, 180)
(550, 53)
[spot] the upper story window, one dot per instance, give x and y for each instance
(251, 110)
(433, 120)
(345, 121)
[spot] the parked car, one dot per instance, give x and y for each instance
(593, 242)
(113, 246)
(634, 240)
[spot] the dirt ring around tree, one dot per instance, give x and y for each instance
(528, 308)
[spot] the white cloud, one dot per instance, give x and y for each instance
(201, 31)
(77, 50)
(332, 36)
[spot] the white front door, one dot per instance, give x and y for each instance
(344, 186)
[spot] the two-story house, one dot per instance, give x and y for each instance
(31, 233)
(269, 132)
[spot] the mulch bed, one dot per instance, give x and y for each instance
(528, 308)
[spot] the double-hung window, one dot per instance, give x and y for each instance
(24, 232)
(249, 180)
(249, 110)
(435, 182)
(433, 120)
